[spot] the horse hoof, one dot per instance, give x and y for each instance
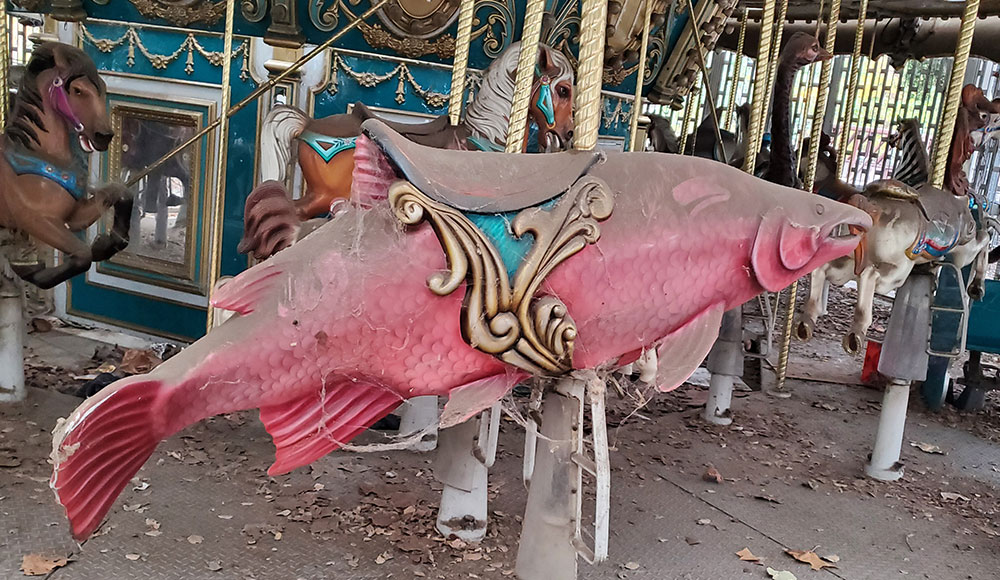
(27, 271)
(977, 292)
(804, 329)
(853, 342)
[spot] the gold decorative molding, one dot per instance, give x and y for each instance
(513, 323)
(182, 12)
(378, 37)
(402, 72)
(189, 46)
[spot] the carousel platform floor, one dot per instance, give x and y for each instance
(204, 508)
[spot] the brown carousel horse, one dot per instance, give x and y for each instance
(326, 148)
(59, 117)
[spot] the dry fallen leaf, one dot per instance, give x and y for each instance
(133, 557)
(782, 575)
(927, 447)
(949, 496)
(39, 565)
(214, 565)
(632, 566)
(139, 361)
(712, 475)
(810, 557)
(747, 556)
(195, 539)
(383, 557)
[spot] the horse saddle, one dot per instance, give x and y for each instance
(892, 189)
(481, 182)
(409, 130)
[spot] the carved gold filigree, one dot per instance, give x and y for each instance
(378, 37)
(182, 12)
(189, 46)
(401, 73)
(513, 323)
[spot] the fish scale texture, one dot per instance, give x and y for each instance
(340, 327)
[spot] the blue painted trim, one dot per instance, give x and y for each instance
(327, 147)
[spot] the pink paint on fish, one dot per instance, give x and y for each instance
(338, 329)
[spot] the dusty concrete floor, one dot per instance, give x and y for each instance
(204, 508)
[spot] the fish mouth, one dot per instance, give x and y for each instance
(845, 235)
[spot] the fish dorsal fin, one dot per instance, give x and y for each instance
(681, 352)
(242, 293)
(309, 426)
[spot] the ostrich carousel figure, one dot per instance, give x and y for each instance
(59, 118)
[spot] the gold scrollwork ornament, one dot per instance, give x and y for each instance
(182, 12)
(513, 323)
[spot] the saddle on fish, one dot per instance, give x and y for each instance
(460, 284)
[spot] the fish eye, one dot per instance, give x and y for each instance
(820, 209)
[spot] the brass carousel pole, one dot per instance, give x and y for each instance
(461, 63)
(819, 113)
(772, 68)
(526, 62)
(946, 130)
(689, 107)
(260, 90)
(758, 107)
(219, 197)
(590, 73)
(640, 76)
(737, 66)
(4, 64)
(852, 86)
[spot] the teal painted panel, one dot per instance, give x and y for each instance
(140, 313)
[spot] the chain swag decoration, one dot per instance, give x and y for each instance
(402, 73)
(190, 45)
(513, 323)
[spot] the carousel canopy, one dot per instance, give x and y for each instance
(799, 10)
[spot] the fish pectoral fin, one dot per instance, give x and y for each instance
(310, 426)
(471, 398)
(681, 352)
(242, 293)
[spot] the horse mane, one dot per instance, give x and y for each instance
(913, 167)
(667, 138)
(489, 113)
(26, 115)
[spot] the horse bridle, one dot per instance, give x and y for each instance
(60, 100)
(544, 102)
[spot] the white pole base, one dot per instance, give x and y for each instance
(464, 500)
(418, 414)
(720, 397)
(884, 464)
(11, 343)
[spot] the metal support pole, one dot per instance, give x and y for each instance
(758, 107)
(546, 551)
(903, 359)
(736, 69)
(640, 78)
(884, 464)
(590, 73)
(418, 414)
(826, 70)
(852, 87)
(460, 64)
(463, 500)
(946, 129)
(725, 362)
(219, 197)
(526, 64)
(11, 340)
(4, 64)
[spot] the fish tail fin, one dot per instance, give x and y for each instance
(100, 447)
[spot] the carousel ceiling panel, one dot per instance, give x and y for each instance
(808, 9)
